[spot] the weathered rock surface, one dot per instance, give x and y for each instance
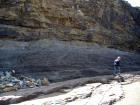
(113, 23)
(100, 90)
(80, 91)
(86, 95)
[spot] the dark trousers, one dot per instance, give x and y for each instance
(116, 70)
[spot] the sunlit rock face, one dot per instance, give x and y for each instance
(105, 22)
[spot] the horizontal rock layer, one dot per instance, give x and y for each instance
(30, 29)
(60, 60)
(113, 23)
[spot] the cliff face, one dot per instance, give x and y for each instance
(30, 30)
(59, 60)
(105, 22)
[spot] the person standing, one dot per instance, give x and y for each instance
(116, 70)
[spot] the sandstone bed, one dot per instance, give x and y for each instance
(113, 23)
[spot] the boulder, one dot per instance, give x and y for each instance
(45, 82)
(8, 89)
(11, 83)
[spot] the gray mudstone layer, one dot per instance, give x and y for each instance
(60, 60)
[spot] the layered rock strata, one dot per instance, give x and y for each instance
(113, 23)
(60, 60)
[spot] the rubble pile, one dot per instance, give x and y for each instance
(8, 82)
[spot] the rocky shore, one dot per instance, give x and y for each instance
(63, 51)
(100, 90)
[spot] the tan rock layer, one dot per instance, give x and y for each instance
(108, 22)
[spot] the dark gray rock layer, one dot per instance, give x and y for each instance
(60, 60)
